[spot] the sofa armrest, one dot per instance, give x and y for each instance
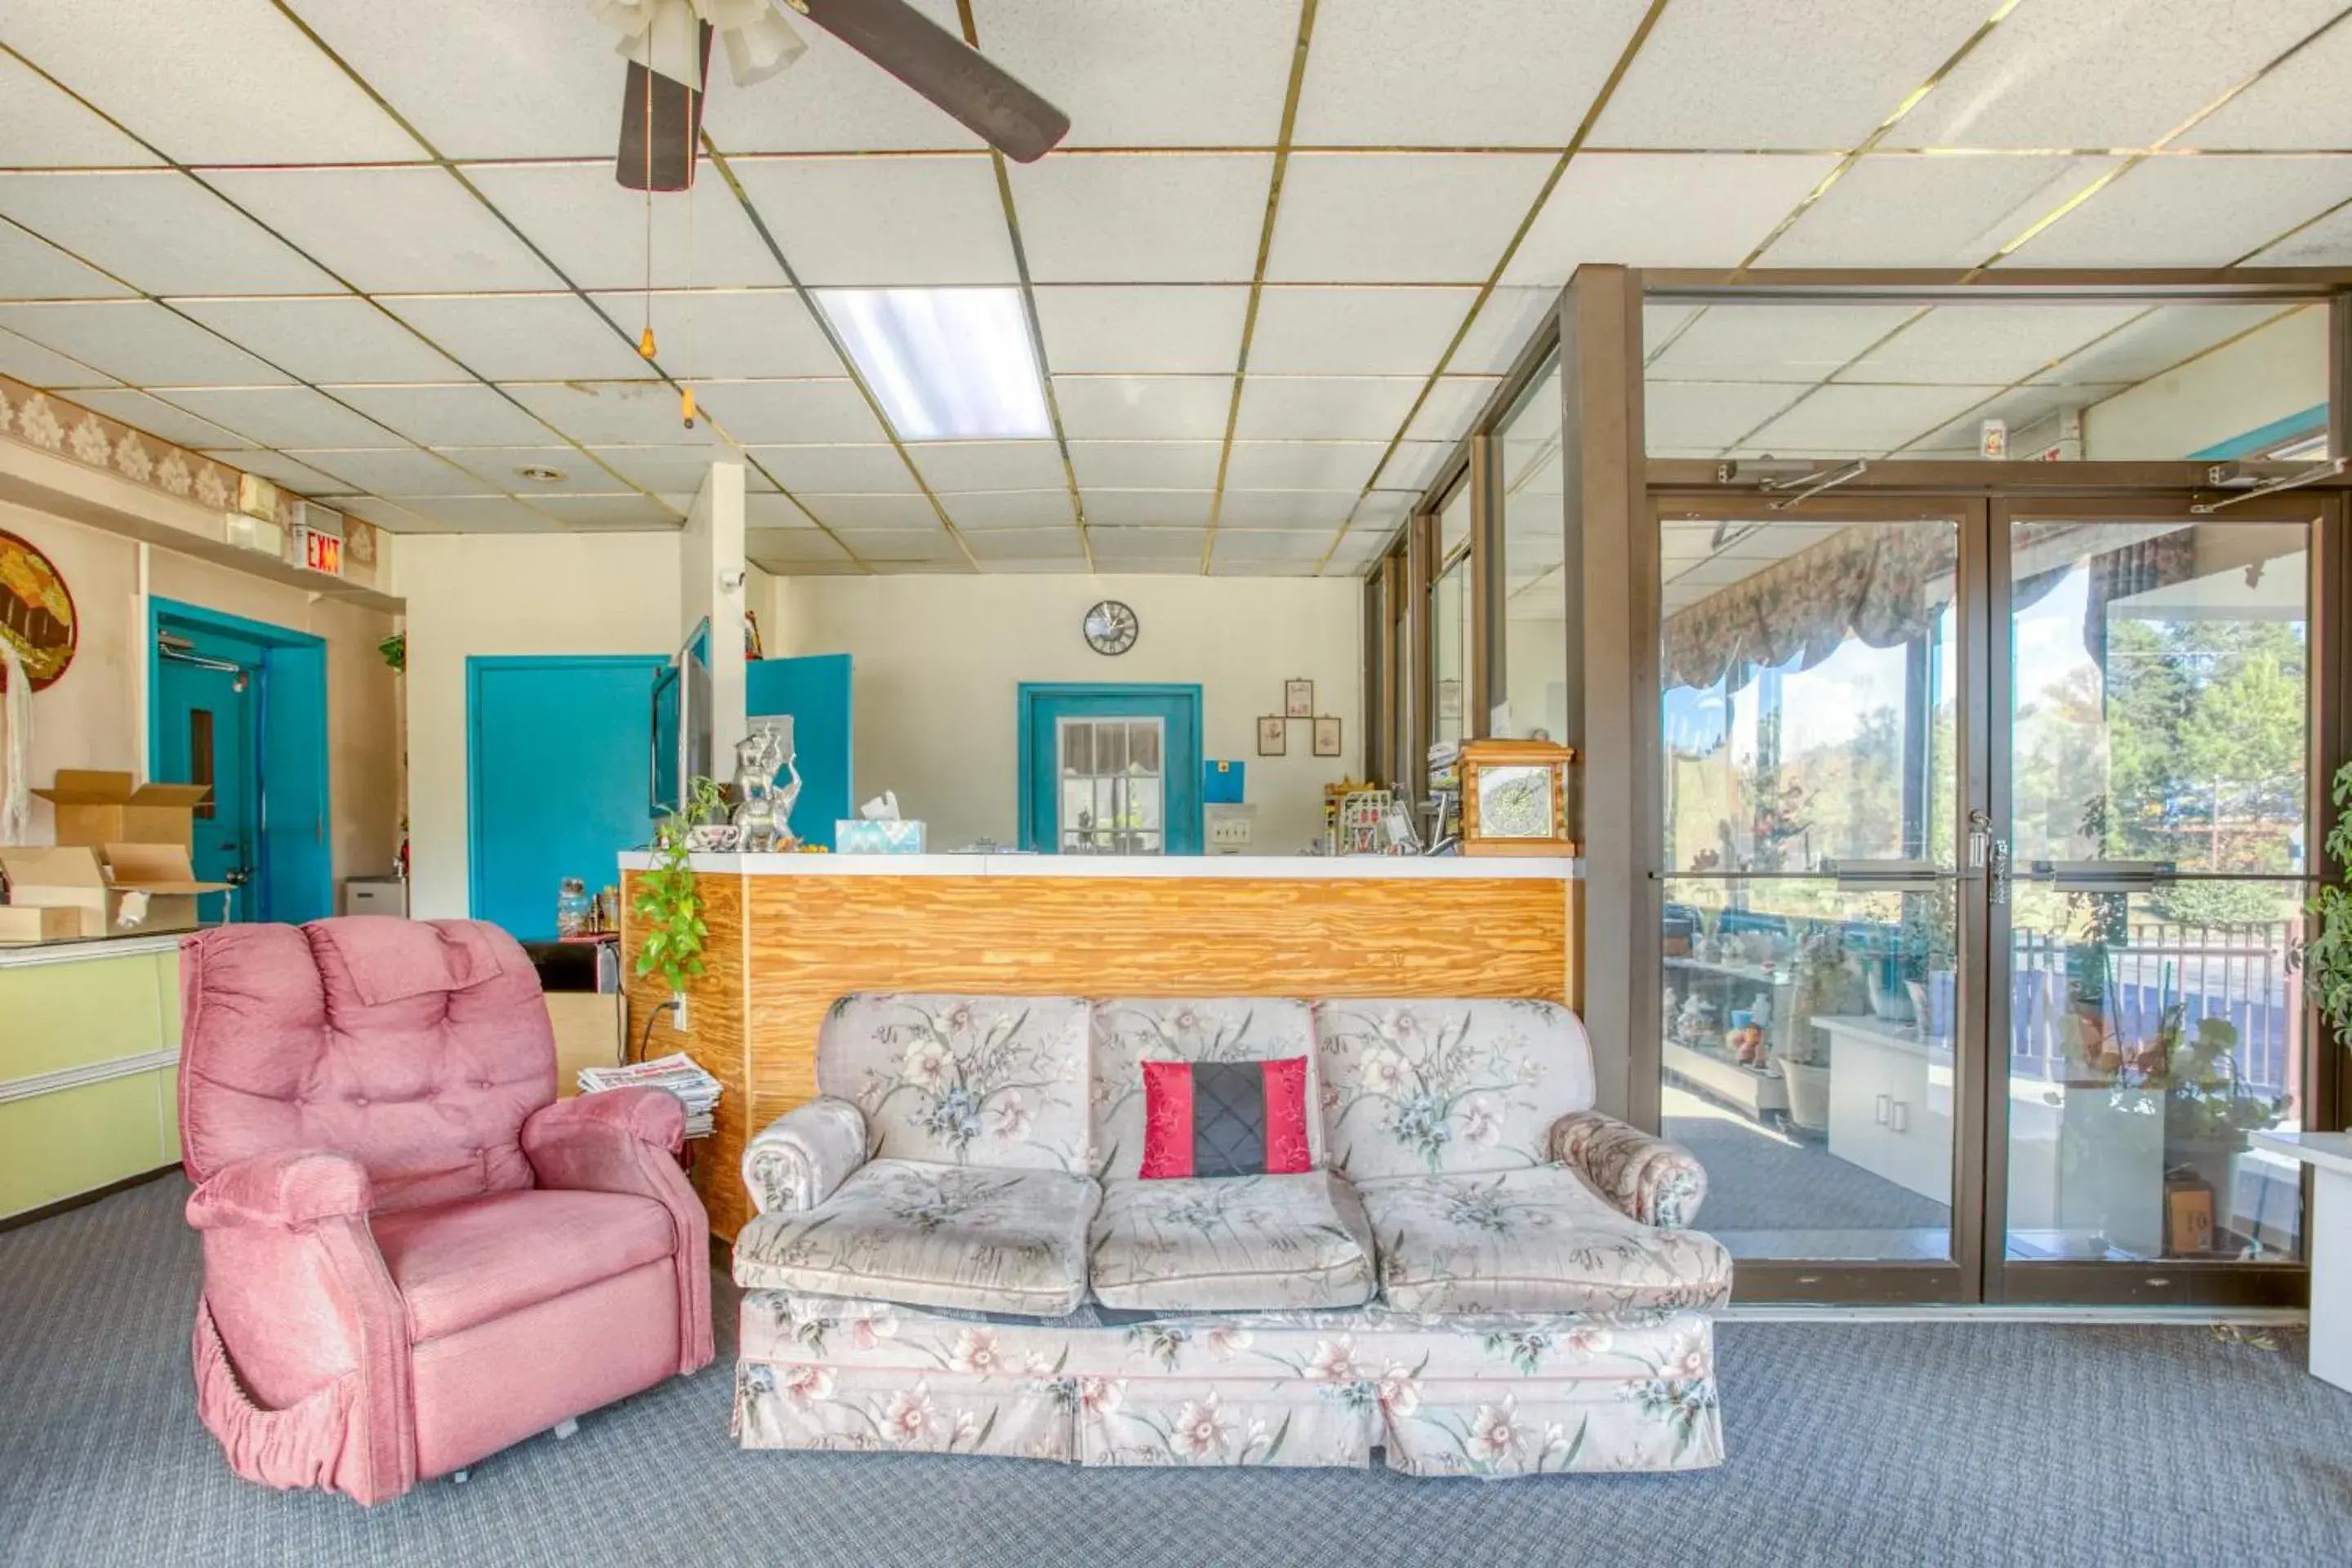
(797, 1160)
(1647, 1178)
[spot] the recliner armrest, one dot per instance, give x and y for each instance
(797, 1160)
(1647, 1178)
(289, 1189)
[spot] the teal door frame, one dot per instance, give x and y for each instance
(295, 875)
(1041, 703)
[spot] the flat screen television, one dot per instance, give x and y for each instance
(681, 723)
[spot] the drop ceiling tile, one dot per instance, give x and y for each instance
(616, 513)
(1012, 509)
(1142, 330)
(602, 413)
(1495, 73)
(140, 343)
(396, 517)
(669, 468)
(786, 549)
(1235, 544)
(711, 335)
(1144, 407)
(502, 466)
(1415, 465)
(1866, 419)
(1148, 218)
(396, 476)
(1011, 546)
(1128, 546)
(2326, 242)
(1987, 343)
(230, 81)
(279, 469)
(158, 230)
(1150, 73)
(1706, 416)
(159, 418)
(523, 337)
(874, 469)
(455, 415)
(2091, 73)
(1930, 211)
(831, 100)
(857, 511)
(870, 223)
(767, 509)
(1324, 407)
(42, 127)
(1776, 341)
(1355, 331)
(1505, 324)
(284, 416)
(963, 466)
(1662, 209)
(1148, 509)
(404, 231)
(1147, 465)
(35, 365)
(336, 338)
(33, 268)
(2162, 338)
(1733, 73)
(594, 231)
(1324, 509)
(876, 546)
(2301, 104)
(1302, 465)
(482, 514)
(2191, 212)
(1346, 217)
(792, 411)
(1453, 402)
(1385, 510)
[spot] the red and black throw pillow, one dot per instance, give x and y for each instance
(1224, 1119)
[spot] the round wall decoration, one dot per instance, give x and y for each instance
(1111, 627)
(36, 614)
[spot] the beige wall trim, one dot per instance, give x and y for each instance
(85, 1074)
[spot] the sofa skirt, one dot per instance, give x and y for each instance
(1487, 1397)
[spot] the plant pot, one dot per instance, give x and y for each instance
(1809, 1094)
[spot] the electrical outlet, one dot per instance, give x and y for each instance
(678, 1011)
(1231, 832)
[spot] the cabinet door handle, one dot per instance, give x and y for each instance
(1884, 1112)
(1902, 1116)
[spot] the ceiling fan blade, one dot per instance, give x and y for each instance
(661, 126)
(945, 69)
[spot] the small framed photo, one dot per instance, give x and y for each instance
(1272, 735)
(1327, 737)
(1298, 698)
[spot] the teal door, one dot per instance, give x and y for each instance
(208, 731)
(1110, 769)
(815, 691)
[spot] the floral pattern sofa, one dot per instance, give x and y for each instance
(1479, 1275)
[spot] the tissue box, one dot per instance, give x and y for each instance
(854, 836)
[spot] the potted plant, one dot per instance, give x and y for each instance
(2325, 958)
(667, 904)
(1827, 980)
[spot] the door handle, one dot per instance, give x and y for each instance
(1988, 855)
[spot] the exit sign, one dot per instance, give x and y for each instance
(322, 553)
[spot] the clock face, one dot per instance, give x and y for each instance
(1110, 627)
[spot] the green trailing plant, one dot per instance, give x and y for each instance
(668, 903)
(2326, 957)
(394, 649)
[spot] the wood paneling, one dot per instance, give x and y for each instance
(714, 1037)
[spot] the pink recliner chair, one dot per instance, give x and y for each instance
(415, 1254)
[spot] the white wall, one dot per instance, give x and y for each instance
(939, 661)
(508, 594)
(712, 579)
(2266, 376)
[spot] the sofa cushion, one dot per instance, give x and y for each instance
(457, 1264)
(932, 1235)
(1225, 1119)
(1231, 1243)
(1128, 1032)
(1539, 1240)
(1416, 1088)
(996, 1082)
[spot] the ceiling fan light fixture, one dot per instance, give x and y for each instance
(946, 365)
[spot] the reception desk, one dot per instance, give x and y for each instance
(790, 933)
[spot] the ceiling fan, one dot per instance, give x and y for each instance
(667, 45)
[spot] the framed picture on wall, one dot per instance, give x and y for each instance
(1272, 735)
(1298, 698)
(1327, 737)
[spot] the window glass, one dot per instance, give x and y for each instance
(1533, 703)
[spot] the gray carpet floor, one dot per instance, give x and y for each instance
(1758, 1182)
(1919, 1445)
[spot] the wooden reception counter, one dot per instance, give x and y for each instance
(790, 933)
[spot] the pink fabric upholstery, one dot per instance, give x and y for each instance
(412, 1255)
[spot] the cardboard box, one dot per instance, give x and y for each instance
(68, 879)
(97, 807)
(157, 884)
(21, 923)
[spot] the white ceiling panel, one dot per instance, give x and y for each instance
(1356, 332)
(595, 413)
(414, 230)
(617, 513)
(1733, 73)
(1662, 210)
(1350, 218)
(1385, 510)
(284, 416)
(2165, 337)
(1012, 509)
(1481, 73)
(888, 549)
(42, 127)
(458, 414)
(1302, 465)
(1150, 73)
(1775, 343)
(1505, 324)
(1453, 402)
(229, 81)
(594, 231)
(399, 517)
(2191, 212)
(140, 343)
(334, 338)
(831, 100)
(1238, 544)
(860, 513)
(1129, 546)
(1152, 218)
(1987, 343)
(716, 335)
(1865, 418)
(482, 514)
(159, 418)
(1142, 330)
(1144, 407)
(665, 469)
(523, 337)
(1415, 464)
(33, 268)
(1706, 416)
(2325, 243)
(881, 222)
(158, 230)
(1323, 510)
(875, 468)
(792, 411)
(2106, 73)
(398, 475)
(783, 549)
(963, 466)
(35, 365)
(1928, 211)
(1146, 465)
(1013, 547)
(2301, 104)
(1148, 509)
(279, 469)
(767, 509)
(1324, 407)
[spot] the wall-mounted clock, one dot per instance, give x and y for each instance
(1110, 627)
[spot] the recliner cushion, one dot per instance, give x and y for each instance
(463, 1264)
(1231, 1243)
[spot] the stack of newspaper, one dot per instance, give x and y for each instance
(696, 1088)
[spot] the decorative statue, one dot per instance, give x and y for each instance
(762, 811)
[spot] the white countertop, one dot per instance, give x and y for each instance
(2329, 1150)
(1246, 868)
(27, 956)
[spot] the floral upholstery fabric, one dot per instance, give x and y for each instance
(999, 1081)
(1422, 1088)
(1539, 1240)
(948, 1236)
(1648, 1179)
(798, 1159)
(1231, 1243)
(1129, 1032)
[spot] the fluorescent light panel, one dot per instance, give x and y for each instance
(948, 364)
